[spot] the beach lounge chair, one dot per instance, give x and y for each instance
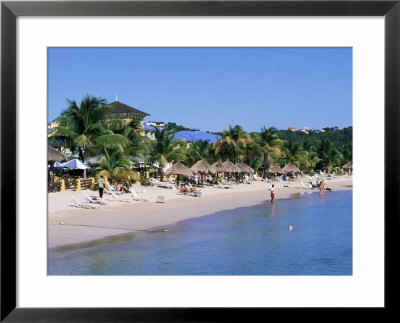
(170, 184)
(116, 197)
(89, 199)
(223, 186)
(135, 195)
(155, 181)
(110, 191)
(83, 205)
(225, 182)
(160, 199)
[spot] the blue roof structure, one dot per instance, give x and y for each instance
(146, 127)
(191, 136)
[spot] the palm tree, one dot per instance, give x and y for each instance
(294, 153)
(79, 126)
(83, 127)
(116, 167)
(347, 152)
(232, 138)
(165, 148)
(268, 140)
(136, 145)
(328, 154)
(198, 150)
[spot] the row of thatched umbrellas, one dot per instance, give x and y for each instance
(289, 168)
(203, 167)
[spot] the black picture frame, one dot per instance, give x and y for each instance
(10, 10)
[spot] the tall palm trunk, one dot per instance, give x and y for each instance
(265, 165)
(82, 158)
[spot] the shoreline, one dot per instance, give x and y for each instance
(118, 218)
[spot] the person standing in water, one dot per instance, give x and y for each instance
(322, 188)
(272, 189)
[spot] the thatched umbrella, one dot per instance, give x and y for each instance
(54, 155)
(245, 168)
(202, 166)
(274, 169)
(232, 168)
(290, 168)
(179, 169)
(220, 167)
(348, 166)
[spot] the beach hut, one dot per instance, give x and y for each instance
(231, 167)
(179, 169)
(348, 166)
(54, 155)
(202, 166)
(220, 167)
(274, 169)
(290, 168)
(245, 168)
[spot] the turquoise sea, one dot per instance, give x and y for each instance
(252, 240)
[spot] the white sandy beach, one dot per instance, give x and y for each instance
(82, 225)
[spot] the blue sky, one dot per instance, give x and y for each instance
(210, 88)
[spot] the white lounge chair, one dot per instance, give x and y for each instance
(155, 181)
(116, 197)
(83, 205)
(110, 191)
(160, 199)
(87, 198)
(225, 182)
(135, 195)
(170, 184)
(222, 186)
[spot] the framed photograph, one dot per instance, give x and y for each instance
(204, 159)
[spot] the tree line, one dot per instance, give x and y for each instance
(87, 130)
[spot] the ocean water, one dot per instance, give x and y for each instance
(252, 240)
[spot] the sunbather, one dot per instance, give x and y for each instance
(184, 189)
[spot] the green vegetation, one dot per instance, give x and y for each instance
(87, 131)
(337, 137)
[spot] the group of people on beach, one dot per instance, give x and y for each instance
(321, 186)
(186, 189)
(117, 187)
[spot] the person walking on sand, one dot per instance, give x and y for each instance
(100, 182)
(272, 189)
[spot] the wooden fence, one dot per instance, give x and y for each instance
(70, 184)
